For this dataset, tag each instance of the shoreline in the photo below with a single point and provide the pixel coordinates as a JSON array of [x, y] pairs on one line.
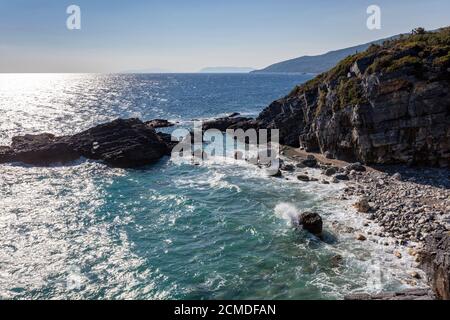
[[399, 206], [406, 204]]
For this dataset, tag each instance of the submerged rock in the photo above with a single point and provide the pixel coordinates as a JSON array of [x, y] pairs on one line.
[[337, 260]]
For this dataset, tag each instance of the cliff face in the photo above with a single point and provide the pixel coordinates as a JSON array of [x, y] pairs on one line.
[[388, 104]]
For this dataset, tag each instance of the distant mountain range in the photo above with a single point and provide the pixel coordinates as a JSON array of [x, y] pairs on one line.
[[317, 64], [227, 70]]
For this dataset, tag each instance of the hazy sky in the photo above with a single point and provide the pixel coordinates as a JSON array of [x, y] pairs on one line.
[[187, 35]]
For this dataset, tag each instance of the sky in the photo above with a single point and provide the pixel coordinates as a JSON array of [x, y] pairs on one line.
[[188, 35]]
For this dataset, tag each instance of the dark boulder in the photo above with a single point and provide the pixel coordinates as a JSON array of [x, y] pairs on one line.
[[342, 177], [310, 163], [311, 222], [358, 167], [435, 261], [121, 143], [287, 167], [330, 171], [303, 177]]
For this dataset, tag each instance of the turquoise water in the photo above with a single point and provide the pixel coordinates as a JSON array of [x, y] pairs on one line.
[[168, 231]]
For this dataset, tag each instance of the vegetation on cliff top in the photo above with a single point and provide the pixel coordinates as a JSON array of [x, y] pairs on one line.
[[415, 54]]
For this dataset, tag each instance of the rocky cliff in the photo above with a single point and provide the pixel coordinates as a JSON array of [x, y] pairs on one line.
[[435, 260], [388, 104]]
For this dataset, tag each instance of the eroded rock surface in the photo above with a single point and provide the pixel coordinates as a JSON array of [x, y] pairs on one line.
[[390, 104], [121, 143]]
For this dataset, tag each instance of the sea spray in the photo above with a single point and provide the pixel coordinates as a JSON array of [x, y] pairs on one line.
[[288, 212]]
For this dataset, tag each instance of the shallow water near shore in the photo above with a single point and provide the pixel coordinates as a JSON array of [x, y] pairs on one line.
[[168, 231]]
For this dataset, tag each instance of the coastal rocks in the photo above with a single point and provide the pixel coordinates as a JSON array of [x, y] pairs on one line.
[[303, 177], [288, 168], [275, 173], [397, 176], [5, 154], [408, 295], [362, 205], [328, 155], [311, 222], [342, 177], [336, 261], [435, 261], [231, 122], [408, 210], [361, 237], [310, 162], [159, 123], [120, 143], [358, 167], [330, 171]]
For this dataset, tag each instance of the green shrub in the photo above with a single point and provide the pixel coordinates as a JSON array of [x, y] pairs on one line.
[[404, 62], [350, 92], [442, 61]]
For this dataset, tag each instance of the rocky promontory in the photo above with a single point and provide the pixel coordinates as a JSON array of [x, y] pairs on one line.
[[123, 143], [388, 104]]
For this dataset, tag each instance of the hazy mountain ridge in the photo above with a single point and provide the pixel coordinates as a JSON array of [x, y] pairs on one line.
[[317, 64]]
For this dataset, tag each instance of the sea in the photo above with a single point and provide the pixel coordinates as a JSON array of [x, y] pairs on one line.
[[171, 230]]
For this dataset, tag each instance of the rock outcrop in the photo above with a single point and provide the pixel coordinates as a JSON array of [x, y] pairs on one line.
[[121, 143], [389, 104], [408, 295], [311, 222], [159, 123], [233, 121], [435, 261]]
